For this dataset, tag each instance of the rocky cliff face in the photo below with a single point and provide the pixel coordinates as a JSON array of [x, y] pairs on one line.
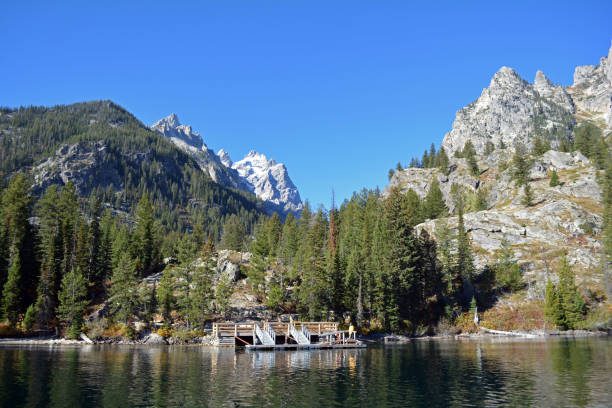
[[592, 92], [171, 127], [255, 174], [512, 111], [191, 142], [567, 217], [268, 180], [79, 163]]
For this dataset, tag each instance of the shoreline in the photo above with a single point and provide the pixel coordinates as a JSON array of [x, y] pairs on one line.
[[382, 338]]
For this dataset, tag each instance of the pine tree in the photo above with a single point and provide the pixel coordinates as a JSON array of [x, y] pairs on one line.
[[432, 156], [442, 161], [554, 179], [527, 199], [201, 295], [521, 165], [11, 294], [165, 296], [464, 261], [312, 266], [259, 264], [105, 255], [479, 201], [72, 301], [274, 229], [146, 237], [81, 252], [234, 234], [404, 262], [434, 205], [473, 306], [30, 318], [123, 289], [451, 277], [540, 146], [95, 261], [52, 250], [289, 246], [47, 290], [19, 238], [223, 293], [68, 215], [432, 285], [469, 153], [425, 159], [552, 309], [570, 300], [507, 271]]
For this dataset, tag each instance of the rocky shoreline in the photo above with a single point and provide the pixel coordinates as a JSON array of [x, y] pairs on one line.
[[380, 338]]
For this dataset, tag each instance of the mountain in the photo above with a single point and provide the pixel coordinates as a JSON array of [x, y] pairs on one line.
[[566, 217], [191, 142], [267, 180], [102, 148], [591, 92], [511, 111]]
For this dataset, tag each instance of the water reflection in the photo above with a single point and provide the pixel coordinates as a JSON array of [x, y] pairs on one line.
[[458, 374]]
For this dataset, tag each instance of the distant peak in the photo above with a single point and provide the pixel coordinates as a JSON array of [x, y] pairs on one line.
[[225, 158], [542, 79], [506, 76], [171, 127], [171, 121], [254, 155], [506, 72]]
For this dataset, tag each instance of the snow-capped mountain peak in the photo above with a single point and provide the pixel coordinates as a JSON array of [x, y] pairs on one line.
[[266, 179], [225, 158], [269, 180], [171, 127]]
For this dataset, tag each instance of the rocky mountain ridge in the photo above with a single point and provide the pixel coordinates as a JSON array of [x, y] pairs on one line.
[[268, 180], [513, 111], [566, 217], [255, 174]]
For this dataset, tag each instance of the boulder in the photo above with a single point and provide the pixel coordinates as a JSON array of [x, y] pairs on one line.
[[154, 338]]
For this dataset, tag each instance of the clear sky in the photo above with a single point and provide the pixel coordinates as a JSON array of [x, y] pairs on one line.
[[339, 91]]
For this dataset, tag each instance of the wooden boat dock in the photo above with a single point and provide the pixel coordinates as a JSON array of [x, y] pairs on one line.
[[284, 335]]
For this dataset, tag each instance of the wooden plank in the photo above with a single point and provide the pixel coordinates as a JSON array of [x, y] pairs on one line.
[[244, 341]]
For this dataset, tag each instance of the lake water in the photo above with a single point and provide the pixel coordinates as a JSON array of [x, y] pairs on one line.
[[488, 373]]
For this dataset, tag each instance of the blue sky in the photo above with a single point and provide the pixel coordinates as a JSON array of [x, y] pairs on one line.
[[340, 91]]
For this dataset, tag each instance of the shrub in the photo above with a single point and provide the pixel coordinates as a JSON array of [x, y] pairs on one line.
[[184, 335], [165, 332], [129, 332], [30, 318], [465, 323], [8, 331], [554, 179], [96, 329]]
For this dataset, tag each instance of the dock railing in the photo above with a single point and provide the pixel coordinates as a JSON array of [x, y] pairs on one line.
[[305, 332]]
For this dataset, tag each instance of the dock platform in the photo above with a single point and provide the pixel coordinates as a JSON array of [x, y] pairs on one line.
[[316, 346], [284, 335]]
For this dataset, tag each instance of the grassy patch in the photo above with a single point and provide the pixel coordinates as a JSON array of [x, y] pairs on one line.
[[528, 315]]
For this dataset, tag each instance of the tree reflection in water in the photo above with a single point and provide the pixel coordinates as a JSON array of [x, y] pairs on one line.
[[422, 373]]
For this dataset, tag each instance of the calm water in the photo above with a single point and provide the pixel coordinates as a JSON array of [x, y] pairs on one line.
[[558, 373]]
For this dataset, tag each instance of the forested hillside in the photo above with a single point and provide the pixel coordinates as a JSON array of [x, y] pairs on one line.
[[109, 154], [512, 215]]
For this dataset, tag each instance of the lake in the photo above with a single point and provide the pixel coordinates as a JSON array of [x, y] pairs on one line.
[[484, 373]]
